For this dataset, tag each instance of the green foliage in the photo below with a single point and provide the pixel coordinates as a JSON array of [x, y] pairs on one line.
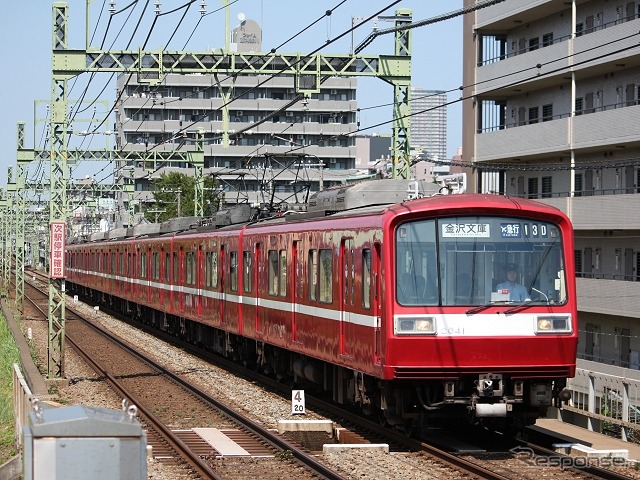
[[8, 356], [174, 196], [284, 455]]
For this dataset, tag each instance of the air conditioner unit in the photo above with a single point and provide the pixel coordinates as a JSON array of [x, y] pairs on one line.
[[332, 160], [239, 113], [289, 114], [334, 92]]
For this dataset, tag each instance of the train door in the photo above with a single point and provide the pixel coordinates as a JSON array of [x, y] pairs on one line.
[[162, 273], [373, 261], [223, 286], [296, 286], [180, 278], [199, 280], [347, 297], [259, 283]]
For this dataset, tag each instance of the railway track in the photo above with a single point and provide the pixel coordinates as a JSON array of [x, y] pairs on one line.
[[470, 466], [140, 379]]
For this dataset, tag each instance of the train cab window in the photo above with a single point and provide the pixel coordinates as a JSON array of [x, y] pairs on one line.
[[366, 278], [313, 275], [190, 268], [465, 260], [273, 272], [246, 271], [326, 275], [211, 269], [233, 271]]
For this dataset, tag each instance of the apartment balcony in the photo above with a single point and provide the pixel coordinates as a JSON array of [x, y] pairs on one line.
[[501, 16], [614, 212], [610, 128], [608, 297], [590, 54], [528, 140]]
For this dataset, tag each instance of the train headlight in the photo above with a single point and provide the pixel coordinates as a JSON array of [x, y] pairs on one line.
[[553, 324], [415, 326]]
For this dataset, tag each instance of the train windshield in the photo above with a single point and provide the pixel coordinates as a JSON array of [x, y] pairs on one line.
[[479, 260]]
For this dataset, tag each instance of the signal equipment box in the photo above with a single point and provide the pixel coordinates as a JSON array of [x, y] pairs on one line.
[[80, 443]]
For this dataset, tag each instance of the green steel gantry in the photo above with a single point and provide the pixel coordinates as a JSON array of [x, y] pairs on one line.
[[152, 66]]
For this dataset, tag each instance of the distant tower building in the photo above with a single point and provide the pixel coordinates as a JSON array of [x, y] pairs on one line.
[[246, 37], [429, 128]]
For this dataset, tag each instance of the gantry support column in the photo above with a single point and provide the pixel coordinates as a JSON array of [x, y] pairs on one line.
[[197, 159], [4, 222], [20, 212], [400, 136], [58, 123]]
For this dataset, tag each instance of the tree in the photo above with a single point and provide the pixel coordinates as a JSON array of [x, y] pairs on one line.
[[174, 196]]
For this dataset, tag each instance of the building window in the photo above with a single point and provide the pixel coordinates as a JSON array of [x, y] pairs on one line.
[[577, 261], [533, 115], [532, 188], [578, 185], [547, 39], [547, 112], [546, 187], [534, 43]]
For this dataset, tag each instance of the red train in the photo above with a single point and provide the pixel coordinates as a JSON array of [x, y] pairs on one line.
[[398, 307]]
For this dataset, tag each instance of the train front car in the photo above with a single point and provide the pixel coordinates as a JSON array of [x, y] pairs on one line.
[[484, 313]]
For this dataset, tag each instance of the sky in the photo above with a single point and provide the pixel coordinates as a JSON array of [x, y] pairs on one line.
[[436, 54]]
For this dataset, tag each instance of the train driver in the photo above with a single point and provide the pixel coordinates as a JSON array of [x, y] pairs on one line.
[[517, 292]]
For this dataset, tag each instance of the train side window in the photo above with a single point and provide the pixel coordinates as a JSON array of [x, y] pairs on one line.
[[326, 275], [313, 275], [211, 269], [167, 267], [366, 278], [113, 262], [273, 272], [283, 273], [233, 271], [176, 266], [155, 265], [246, 271], [143, 265], [121, 267], [190, 280]]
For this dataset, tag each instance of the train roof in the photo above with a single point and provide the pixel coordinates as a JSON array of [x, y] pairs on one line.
[[364, 198]]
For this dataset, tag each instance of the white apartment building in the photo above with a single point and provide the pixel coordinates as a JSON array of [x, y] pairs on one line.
[[260, 145], [286, 155], [553, 113]]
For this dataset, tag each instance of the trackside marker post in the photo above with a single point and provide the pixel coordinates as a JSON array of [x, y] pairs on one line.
[[297, 402]]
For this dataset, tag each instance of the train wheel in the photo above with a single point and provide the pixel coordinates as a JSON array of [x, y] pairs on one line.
[[411, 429]]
